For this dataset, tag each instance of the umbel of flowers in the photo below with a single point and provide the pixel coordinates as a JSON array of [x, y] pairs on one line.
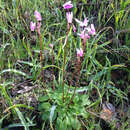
[[86, 30], [37, 26], [39, 19], [69, 15]]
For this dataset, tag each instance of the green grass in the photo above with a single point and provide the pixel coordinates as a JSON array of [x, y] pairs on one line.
[[104, 74]]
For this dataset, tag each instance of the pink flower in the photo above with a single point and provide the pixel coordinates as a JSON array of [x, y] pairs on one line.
[[74, 28], [68, 5], [82, 24], [69, 16], [32, 26], [79, 52], [91, 30], [37, 16], [84, 35]]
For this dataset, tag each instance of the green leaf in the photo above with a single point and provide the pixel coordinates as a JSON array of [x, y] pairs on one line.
[[1, 120], [45, 115], [21, 117], [19, 125], [98, 75], [75, 123], [85, 115], [104, 44], [5, 30], [117, 66], [40, 107], [46, 106], [7, 97], [67, 121], [18, 105], [43, 98], [60, 124], [85, 100], [14, 71]]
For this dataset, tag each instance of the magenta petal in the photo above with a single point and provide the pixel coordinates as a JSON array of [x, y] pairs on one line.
[[37, 16], [74, 28], [84, 35], [68, 5], [79, 52], [93, 31], [87, 36], [69, 16], [32, 26], [82, 24], [85, 23]]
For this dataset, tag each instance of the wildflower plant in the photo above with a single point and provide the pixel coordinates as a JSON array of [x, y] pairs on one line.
[[37, 27], [64, 104], [69, 16]]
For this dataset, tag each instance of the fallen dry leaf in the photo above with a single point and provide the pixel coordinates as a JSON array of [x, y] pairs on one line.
[[108, 112]]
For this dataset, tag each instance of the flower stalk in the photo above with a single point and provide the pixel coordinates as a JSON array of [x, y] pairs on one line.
[[41, 55], [64, 60], [69, 15], [77, 79], [52, 58], [33, 26]]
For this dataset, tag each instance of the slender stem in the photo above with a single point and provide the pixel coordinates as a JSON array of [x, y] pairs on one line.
[[77, 80], [84, 44], [51, 126], [41, 56], [65, 59], [79, 66], [70, 84], [53, 87]]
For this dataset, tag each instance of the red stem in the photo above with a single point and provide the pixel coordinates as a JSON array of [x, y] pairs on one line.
[[41, 56], [70, 84], [65, 60], [84, 44], [77, 80], [53, 87]]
